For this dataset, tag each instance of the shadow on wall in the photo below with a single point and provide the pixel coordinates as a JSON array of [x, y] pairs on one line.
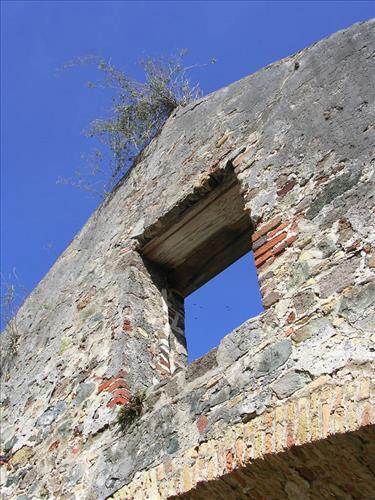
[[221, 305]]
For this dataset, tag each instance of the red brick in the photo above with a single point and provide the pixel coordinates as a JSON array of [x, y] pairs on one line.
[[291, 317], [261, 260], [290, 437], [161, 369], [164, 363], [125, 393], [294, 226], [229, 460], [266, 228], [104, 385], [239, 452], [202, 423], [287, 187], [270, 244], [127, 326], [278, 229], [54, 445], [125, 250], [6, 463], [268, 443], [284, 245], [366, 415], [84, 302], [242, 157], [117, 401], [116, 384]]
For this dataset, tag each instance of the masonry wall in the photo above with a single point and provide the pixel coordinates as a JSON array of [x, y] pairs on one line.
[[299, 136]]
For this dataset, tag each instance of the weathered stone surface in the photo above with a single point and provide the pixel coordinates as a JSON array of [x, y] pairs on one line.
[[339, 278], [234, 346], [273, 357], [22, 456], [319, 327], [335, 188], [304, 302], [51, 414], [296, 139], [289, 383], [200, 366], [83, 392]]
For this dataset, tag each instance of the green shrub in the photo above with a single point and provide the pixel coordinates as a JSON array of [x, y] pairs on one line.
[[12, 296], [130, 412], [138, 113]]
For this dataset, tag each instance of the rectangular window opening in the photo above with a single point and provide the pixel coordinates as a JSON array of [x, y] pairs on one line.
[[221, 305], [205, 255]]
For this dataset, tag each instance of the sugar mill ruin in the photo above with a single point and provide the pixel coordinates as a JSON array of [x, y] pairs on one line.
[[280, 162]]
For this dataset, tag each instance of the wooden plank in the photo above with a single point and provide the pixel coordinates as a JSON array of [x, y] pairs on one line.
[[205, 240]]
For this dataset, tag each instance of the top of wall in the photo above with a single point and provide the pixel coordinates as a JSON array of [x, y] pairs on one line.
[[263, 107]]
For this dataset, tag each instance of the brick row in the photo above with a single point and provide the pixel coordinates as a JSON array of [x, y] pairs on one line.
[[271, 239]]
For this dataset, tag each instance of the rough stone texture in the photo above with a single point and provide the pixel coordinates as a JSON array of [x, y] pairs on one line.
[[311, 471], [281, 389]]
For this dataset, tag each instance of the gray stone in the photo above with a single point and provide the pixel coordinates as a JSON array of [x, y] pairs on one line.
[[239, 342], [339, 278], [254, 405], [335, 188], [200, 366], [65, 428], [327, 246], [83, 392], [316, 328], [51, 414], [304, 302], [173, 445], [219, 395], [8, 445], [358, 301], [271, 299], [273, 357], [76, 474], [289, 383]]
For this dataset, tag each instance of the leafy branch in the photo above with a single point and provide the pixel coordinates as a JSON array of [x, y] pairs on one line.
[[130, 412], [139, 111], [12, 297]]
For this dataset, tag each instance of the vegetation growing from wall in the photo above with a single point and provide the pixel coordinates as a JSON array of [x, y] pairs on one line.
[[129, 413], [12, 296], [139, 111]]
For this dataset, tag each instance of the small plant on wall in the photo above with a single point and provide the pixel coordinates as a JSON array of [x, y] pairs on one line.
[[132, 411], [138, 112], [12, 296]]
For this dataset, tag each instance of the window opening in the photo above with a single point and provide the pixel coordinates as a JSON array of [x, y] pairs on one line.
[[201, 238], [221, 305]]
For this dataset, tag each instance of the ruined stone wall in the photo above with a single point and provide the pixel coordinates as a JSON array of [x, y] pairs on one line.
[[299, 137]]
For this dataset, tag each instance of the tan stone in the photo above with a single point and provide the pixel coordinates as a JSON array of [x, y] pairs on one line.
[[22, 456], [371, 261]]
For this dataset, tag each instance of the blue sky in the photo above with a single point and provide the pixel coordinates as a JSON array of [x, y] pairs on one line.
[[42, 116]]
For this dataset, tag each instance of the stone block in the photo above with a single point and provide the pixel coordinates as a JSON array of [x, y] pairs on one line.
[[289, 383], [339, 278], [201, 366], [273, 357]]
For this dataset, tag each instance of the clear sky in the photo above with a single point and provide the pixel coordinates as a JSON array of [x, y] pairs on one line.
[[42, 116]]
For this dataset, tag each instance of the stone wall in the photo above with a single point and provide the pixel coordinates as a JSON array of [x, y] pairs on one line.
[[104, 323]]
